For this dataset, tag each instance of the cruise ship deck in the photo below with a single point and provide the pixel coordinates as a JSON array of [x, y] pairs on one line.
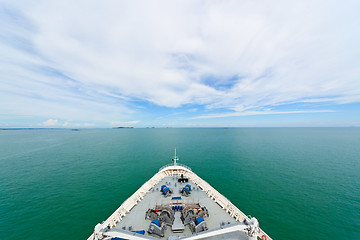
[[177, 204], [135, 220]]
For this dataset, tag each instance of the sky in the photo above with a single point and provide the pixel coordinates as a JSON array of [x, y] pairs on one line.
[[243, 63]]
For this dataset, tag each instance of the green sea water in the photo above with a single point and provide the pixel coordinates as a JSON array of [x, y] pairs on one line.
[[300, 183]]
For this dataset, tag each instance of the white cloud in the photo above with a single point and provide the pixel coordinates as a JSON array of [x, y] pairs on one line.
[[50, 122], [56, 123], [252, 113], [118, 53]]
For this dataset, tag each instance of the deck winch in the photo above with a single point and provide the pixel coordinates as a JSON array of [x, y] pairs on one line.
[[156, 228], [186, 190], [166, 217], [165, 190], [198, 225]]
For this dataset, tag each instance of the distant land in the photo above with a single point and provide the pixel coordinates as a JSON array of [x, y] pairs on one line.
[[78, 129]]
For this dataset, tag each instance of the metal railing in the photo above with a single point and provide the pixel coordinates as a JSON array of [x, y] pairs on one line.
[[172, 165]]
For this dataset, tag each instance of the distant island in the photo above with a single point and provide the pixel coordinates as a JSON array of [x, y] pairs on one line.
[[122, 127]]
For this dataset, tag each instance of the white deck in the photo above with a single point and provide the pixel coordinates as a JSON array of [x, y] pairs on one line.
[[136, 217], [224, 217]]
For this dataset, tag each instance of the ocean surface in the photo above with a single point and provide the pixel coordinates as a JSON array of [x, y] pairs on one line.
[[300, 183]]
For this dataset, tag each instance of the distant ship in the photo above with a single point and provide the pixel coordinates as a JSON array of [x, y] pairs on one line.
[[177, 204]]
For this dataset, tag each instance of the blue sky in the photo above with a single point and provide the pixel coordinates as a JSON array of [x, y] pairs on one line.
[[179, 63]]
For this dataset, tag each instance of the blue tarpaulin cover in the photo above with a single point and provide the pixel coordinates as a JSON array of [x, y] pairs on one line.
[[199, 220], [139, 232], [166, 189], [186, 189], [155, 221]]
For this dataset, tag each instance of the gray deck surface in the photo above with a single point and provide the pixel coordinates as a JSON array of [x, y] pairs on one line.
[[135, 219]]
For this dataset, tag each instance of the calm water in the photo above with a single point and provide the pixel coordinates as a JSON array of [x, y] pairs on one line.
[[301, 183]]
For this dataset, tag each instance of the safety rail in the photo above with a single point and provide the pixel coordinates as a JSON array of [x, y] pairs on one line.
[[172, 165]]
